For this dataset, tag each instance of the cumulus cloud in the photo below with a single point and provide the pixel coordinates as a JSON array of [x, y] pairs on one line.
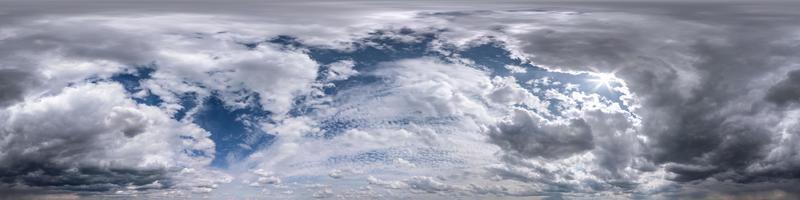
[[702, 99], [528, 134], [786, 91], [92, 138]]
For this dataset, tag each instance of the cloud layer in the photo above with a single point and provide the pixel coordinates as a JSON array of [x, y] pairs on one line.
[[419, 100]]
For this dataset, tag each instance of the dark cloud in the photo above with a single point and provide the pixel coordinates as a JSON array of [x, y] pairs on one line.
[[9, 193], [13, 85], [787, 91], [91, 138], [698, 108], [783, 189], [62, 145], [698, 71], [35, 42], [583, 49], [526, 134], [82, 179], [715, 124]]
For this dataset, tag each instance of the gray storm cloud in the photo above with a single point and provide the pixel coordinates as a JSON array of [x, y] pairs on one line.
[[527, 135]]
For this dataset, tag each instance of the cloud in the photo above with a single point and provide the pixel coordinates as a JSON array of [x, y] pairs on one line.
[[340, 70], [418, 90], [426, 185], [528, 134], [786, 91], [13, 85], [92, 137], [702, 100]]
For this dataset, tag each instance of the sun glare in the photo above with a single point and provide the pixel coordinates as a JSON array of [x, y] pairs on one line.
[[603, 80]]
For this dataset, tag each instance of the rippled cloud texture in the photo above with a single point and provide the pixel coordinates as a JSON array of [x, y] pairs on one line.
[[390, 100]]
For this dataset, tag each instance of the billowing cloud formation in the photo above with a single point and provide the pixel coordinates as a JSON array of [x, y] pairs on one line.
[[530, 135], [786, 91], [92, 137], [14, 83], [423, 100]]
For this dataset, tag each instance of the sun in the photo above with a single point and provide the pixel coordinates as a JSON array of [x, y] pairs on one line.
[[603, 80]]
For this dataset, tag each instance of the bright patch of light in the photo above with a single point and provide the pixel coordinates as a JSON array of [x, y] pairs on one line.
[[604, 80]]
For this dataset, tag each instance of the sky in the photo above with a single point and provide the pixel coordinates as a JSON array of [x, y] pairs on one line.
[[399, 100]]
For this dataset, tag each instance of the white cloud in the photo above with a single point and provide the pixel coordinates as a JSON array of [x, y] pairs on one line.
[[340, 70], [96, 126], [516, 69]]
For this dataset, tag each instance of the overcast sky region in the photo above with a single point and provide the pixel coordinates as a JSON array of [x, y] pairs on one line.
[[458, 99]]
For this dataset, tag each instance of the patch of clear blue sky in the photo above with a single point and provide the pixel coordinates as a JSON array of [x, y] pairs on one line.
[[234, 139], [493, 56], [132, 83]]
